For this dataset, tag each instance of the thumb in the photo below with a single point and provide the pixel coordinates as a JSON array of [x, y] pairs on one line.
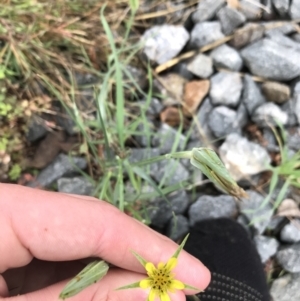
[[3, 288]]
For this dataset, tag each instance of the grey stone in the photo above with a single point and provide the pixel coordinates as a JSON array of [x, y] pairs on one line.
[[227, 57], [296, 103], [297, 88], [230, 19], [250, 10], [206, 10], [269, 13], [226, 89], [285, 41], [140, 154], [285, 28], [282, 6], [293, 139], [182, 69], [290, 109], [296, 37], [166, 137], [207, 207], [252, 96], [171, 172], [291, 232], [266, 247], [259, 216], [37, 129], [295, 10], [205, 33], [249, 33], [243, 221], [269, 114], [242, 157], [201, 65], [276, 92], [275, 223], [160, 211], [202, 118], [270, 140], [177, 227], [241, 117], [162, 43], [270, 60], [144, 137], [61, 166], [76, 185], [221, 121], [135, 76], [286, 288], [289, 258]]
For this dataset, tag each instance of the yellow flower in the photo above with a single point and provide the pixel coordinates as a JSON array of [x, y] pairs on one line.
[[160, 280]]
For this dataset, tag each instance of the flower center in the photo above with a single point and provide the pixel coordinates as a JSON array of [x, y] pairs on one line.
[[161, 280]]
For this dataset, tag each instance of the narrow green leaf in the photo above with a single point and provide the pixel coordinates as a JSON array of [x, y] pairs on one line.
[[139, 258], [177, 252]]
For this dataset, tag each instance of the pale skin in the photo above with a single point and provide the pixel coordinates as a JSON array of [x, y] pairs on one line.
[[46, 235]]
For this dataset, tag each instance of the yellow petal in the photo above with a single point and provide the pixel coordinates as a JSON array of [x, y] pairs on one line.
[[164, 297], [152, 295], [177, 285], [160, 265], [171, 264], [145, 283], [150, 268]]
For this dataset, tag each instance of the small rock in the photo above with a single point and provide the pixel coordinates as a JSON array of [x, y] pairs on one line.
[[207, 207], [139, 75], [241, 117], [295, 10], [275, 223], [286, 288], [194, 93], [269, 114], [252, 96], [289, 258], [202, 118], [270, 141], [285, 28], [182, 70], [152, 108], [290, 233], [160, 211], [243, 221], [276, 92], [205, 33], [266, 247], [283, 40], [259, 216], [251, 10], [269, 13], [243, 158], [140, 154], [268, 59], [296, 102], [293, 139], [201, 65], [37, 129], [221, 121], [177, 227], [75, 185], [226, 89], [171, 172], [297, 88], [230, 19], [166, 137], [62, 165], [227, 57], [282, 6], [250, 33], [174, 83], [162, 43], [290, 109], [296, 37], [206, 10]]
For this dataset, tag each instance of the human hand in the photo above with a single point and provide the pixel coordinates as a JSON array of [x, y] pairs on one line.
[[44, 234]]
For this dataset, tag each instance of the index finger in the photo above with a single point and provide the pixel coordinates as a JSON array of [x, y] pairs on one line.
[[57, 227]]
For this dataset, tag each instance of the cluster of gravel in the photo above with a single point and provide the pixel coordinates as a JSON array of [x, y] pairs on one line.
[[254, 79]]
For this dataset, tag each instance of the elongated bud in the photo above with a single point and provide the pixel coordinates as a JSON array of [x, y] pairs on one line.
[[210, 164]]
